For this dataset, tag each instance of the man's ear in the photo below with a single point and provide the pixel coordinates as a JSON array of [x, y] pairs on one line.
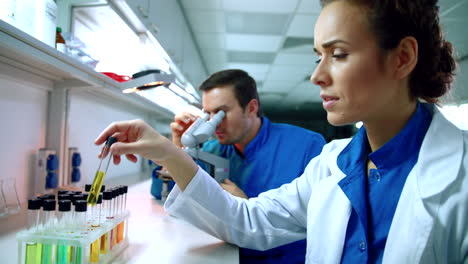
[[406, 55], [253, 107]]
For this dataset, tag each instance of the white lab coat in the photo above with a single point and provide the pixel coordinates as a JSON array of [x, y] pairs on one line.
[[430, 224]]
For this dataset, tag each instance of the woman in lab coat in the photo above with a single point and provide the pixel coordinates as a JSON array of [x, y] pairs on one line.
[[397, 192]]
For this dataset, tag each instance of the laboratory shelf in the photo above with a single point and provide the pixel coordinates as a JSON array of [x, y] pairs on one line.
[[23, 51]]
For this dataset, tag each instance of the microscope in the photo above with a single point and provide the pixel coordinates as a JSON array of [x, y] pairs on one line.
[[199, 132]]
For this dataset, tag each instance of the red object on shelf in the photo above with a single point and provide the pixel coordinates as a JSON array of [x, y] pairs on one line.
[[117, 77]]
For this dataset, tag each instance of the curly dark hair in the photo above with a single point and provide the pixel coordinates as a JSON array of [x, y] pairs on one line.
[[393, 20], [244, 86]]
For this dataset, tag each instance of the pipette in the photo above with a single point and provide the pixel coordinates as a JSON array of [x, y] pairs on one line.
[[100, 173]]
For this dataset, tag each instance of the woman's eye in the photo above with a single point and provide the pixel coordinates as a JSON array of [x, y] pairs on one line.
[[318, 60], [340, 55]]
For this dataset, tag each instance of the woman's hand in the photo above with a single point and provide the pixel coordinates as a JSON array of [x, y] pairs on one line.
[[135, 137]]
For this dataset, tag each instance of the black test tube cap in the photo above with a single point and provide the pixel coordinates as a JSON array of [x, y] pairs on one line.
[[64, 197], [77, 197], [99, 200], [48, 205], [64, 205], [107, 195], [34, 204], [80, 206]]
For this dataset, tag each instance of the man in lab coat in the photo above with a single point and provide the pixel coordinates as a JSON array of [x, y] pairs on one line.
[[262, 155]]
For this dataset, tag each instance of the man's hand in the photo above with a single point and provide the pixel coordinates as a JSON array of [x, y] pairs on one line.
[[232, 188], [164, 175], [181, 123]]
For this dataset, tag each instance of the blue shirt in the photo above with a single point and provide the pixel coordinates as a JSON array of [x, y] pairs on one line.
[[374, 199], [277, 155]]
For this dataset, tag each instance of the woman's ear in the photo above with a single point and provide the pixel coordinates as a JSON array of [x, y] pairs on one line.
[[406, 55]]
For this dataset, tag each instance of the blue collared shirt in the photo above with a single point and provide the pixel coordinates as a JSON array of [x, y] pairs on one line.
[[277, 155], [374, 198]]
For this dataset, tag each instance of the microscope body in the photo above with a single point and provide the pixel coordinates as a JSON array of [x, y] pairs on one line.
[[198, 133]]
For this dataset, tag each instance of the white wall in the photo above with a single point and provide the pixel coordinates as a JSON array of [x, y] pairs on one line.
[[88, 115], [23, 117], [23, 111]]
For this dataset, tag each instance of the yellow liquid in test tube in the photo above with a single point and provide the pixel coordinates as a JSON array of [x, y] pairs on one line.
[[96, 188], [100, 174], [94, 254], [120, 231], [104, 243]]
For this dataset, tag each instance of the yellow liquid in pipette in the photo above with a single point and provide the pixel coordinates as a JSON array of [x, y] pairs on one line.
[[96, 188]]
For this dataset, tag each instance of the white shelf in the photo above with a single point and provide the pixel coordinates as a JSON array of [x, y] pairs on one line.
[[23, 51]]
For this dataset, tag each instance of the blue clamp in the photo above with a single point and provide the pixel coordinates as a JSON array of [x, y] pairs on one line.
[[52, 162], [76, 159], [51, 180], [75, 175]]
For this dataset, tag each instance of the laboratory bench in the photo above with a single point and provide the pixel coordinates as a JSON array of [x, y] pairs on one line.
[[156, 237], [153, 235]]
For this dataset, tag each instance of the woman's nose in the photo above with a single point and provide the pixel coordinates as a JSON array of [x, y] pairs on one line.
[[320, 76]]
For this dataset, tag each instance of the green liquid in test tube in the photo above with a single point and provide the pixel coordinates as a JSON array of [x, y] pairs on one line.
[[47, 254], [62, 256], [100, 173], [49, 222], [64, 222], [78, 252], [33, 250], [33, 253]]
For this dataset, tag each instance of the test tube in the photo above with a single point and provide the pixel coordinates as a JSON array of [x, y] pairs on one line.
[[107, 204], [115, 198], [125, 197], [101, 172], [80, 215], [112, 216], [119, 213], [96, 216], [95, 248], [79, 218], [121, 226], [33, 250], [106, 210], [121, 198], [64, 215], [113, 232], [34, 210], [48, 223], [49, 219]]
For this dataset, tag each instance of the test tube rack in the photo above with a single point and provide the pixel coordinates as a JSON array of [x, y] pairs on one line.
[[92, 245]]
